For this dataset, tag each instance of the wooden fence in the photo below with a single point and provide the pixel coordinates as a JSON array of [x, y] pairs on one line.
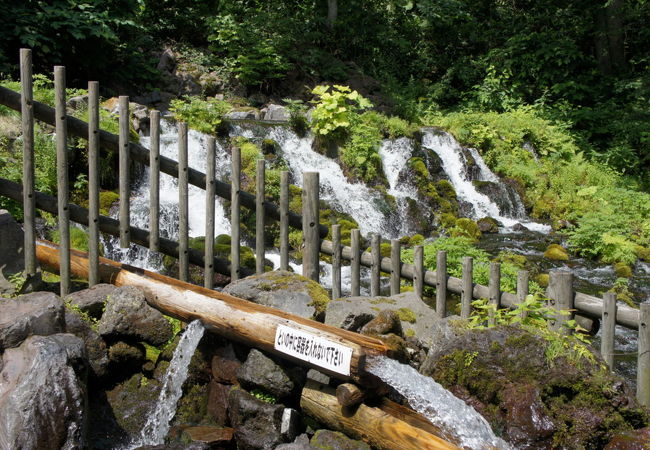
[[560, 290]]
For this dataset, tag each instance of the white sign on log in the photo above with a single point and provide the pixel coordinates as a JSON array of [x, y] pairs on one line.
[[313, 348]]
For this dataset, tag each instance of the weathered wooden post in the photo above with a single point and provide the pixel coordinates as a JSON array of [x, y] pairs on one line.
[[310, 223], [643, 365], [124, 166], [395, 266], [208, 275], [441, 284], [284, 220], [336, 261], [494, 291], [29, 202], [259, 216], [522, 289], [560, 291], [355, 263], [235, 194], [418, 274], [375, 276], [608, 329], [467, 287], [93, 183], [154, 181], [183, 223], [63, 193]]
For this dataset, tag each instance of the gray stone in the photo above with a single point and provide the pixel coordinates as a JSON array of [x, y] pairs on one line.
[[39, 313], [12, 259], [124, 356], [92, 300], [78, 102], [257, 424], [320, 377], [42, 402], [277, 113], [241, 114], [290, 423], [95, 345], [128, 315], [284, 290], [261, 372], [167, 61], [335, 440], [300, 443]]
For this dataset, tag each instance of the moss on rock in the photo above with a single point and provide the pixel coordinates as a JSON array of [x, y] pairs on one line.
[[556, 252]]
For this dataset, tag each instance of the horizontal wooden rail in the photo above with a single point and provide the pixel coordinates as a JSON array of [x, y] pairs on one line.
[[110, 142]]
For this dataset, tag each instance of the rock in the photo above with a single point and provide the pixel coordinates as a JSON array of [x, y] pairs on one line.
[[622, 270], [42, 393], [218, 402], [243, 114], [128, 315], [127, 357], [261, 372], [94, 344], [225, 365], [140, 118], [300, 443], [92, 300], [630, 440], [505, 374], [387, 321], [257, 424], [519, 228], [12, 259], [556, 252], [167, 61], [290, 423], [313, 374], [335, 440], [284, 290], [207, 435], [40, 313], [78, 102], [488, 225], [277, 113]]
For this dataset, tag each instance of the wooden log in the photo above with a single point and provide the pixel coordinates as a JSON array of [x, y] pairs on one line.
[[284, 220], [349, 394], [208, 271], [418, 272], [609, 329], [355, 262], [27, 113], [310, 220], [375, 275], [467, 287], [560, 291], [396, 262], [63, 192], [183, 206], [522, 289], [234, 318], [387, 428], [259, 216], [93, 183], [643, 362], [336, 262], [110, 142], [235, 232], [441, 284], [124, 174], [154, 181]]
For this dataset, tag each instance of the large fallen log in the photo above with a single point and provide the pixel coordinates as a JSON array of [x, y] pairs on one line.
[[386, 426], [339, 353]]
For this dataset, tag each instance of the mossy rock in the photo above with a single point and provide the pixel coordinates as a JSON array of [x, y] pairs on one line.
[[106, 200], [412, 241], [516, 260], [643, 253], [447, 220], [542, 279], [270, 147], [556, 252], [78, 239], [466, 228], [622, 270], [488, 225]]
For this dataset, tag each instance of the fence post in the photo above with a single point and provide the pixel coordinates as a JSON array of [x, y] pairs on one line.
[[310, 224], [467, 287], [62, 177], [284, 220], [93, 183], [125, 163], [560, 291], [395, 266], [522, 289], [336, 261], [643, 367], [29, 200], [608, 329], [494, 289], [441, 284], [183, 229], [259, 216], [154, 181], [355, 263], [208, 275], [418, 273], [235, 178], [376, 264]]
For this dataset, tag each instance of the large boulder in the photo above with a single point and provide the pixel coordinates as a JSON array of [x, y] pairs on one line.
[[11, 251], [533, 398], [42, 393], [128, 316], [96, 350], [276, 113], [92, 300], [630, 440], [261, 372], [40, 313], [284, 290], [335, 440]]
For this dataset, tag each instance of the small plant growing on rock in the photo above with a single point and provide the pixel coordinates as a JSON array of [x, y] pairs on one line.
[[335, 109]]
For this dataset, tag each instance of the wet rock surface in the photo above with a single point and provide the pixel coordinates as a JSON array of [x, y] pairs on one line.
[[261, 372], [257, 425], [96, 349], [92, 300], [630, 440], [38, 313]]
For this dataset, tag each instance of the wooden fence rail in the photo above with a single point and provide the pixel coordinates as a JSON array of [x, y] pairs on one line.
[[560, 290]]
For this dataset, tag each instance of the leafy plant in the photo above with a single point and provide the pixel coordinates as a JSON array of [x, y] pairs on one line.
[[202, 115], [336, 108], [264, 396], [297, 120]]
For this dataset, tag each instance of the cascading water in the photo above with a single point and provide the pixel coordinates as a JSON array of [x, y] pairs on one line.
[[157, 425], [437, 404]]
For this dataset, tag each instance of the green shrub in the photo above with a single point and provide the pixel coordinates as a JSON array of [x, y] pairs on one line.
[[202, 115], [335, 109]]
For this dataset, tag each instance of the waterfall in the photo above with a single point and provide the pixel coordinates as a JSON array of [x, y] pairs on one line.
[[437, 404], [157, 425]]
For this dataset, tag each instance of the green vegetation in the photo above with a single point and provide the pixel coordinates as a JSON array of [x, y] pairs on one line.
[[205, 116]]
